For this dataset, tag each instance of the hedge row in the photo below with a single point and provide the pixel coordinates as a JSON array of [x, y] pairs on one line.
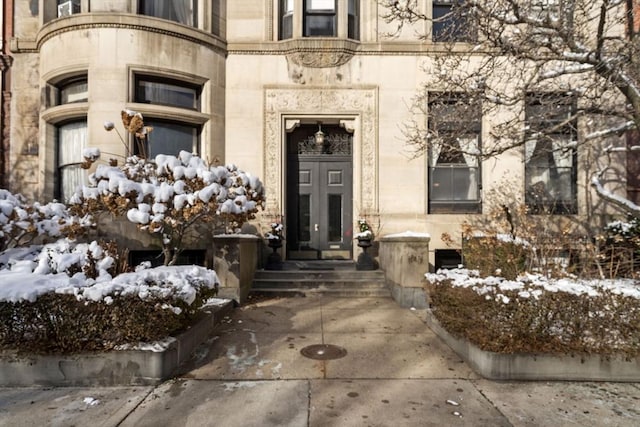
[[59, 323], [552, 323]]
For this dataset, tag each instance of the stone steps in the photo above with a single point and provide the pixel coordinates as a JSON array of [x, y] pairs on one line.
[[339, 282]]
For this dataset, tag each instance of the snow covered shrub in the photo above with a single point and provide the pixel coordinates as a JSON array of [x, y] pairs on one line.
[[170, 195], [75, 259], [51, 314], [22, 222], [536, 314]]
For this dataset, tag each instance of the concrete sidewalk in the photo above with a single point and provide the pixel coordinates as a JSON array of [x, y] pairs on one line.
[[396, 372]]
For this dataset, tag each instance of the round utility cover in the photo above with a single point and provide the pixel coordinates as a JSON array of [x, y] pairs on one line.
[[323, 352]]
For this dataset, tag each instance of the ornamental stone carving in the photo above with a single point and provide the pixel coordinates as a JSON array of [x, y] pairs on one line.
[[320, 59], [284, 105], [320, 53]]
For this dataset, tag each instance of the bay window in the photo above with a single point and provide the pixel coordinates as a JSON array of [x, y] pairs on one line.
[[71, 142], [550, 155], [454, 170], [319, 18]]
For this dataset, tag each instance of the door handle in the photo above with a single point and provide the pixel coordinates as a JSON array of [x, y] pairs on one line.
[[315, 227]]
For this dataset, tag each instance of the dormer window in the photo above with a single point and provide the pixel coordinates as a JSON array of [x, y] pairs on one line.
[[319, 18]]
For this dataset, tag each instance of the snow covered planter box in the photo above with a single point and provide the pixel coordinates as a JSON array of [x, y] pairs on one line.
[[538, 328], [50, 322], [141, 364]]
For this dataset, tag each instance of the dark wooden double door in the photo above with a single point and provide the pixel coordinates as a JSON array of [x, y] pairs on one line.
[[319, 194]]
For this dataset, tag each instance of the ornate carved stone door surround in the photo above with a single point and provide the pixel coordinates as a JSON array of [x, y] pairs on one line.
[[359, 109]]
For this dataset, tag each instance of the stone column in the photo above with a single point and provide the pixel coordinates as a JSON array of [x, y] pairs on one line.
[[235, 260]]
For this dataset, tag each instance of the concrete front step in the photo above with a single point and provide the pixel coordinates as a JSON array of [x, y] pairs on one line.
[[345, 292], [347, 283]]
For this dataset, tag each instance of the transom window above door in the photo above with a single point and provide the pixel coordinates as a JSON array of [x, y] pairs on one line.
[[319, 18]]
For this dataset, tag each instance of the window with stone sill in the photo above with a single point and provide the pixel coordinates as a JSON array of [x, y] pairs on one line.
[[454, 168], [71, 142], [319, 18], [181, 11], [550, 154]]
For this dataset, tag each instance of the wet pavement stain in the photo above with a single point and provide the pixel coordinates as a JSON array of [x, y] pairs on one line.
[[177, 387]]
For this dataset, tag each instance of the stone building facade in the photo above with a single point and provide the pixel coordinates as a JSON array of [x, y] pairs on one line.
[[308, 94]]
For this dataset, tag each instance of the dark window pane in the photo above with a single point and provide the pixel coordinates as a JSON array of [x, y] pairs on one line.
[[450, 25], [304, 218], [156, 90], [170, 138], [320, 18], [453, 183], [447, 258], [335, 217], [286, 19], [319, 25], [354, 20], [182, 11], [286, 27]]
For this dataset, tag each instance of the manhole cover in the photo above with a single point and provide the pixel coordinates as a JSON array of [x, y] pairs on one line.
[[323, 352]]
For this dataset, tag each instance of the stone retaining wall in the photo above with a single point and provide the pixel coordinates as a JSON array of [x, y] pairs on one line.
[[110, 368], [538, 367]]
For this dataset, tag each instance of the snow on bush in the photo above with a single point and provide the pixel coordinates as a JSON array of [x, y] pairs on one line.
[[170, 194], [531, 285], [537, 314], [27, 273], [22, 222]]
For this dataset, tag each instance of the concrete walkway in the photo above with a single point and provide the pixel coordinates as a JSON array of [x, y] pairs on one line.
[[396, 372]]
